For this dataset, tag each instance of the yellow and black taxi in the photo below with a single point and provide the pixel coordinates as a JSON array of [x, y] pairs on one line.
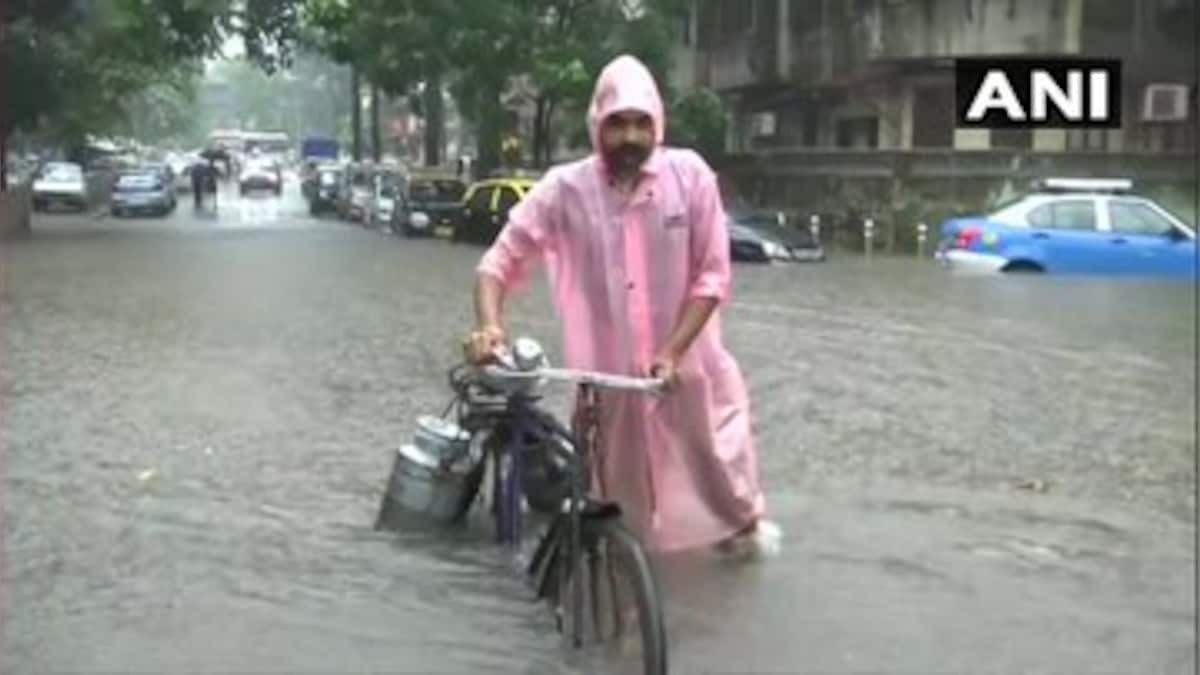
[[485, 207]]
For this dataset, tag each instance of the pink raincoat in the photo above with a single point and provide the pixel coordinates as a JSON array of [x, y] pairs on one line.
[[682, 467]]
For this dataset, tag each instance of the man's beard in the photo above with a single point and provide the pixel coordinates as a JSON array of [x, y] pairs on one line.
[[626, 159]]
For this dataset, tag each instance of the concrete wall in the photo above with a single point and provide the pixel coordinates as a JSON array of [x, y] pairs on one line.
[[899, 189]]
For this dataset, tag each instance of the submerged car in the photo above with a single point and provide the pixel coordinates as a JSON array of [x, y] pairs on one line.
[[1074, 226], [432, 204], [60, 183], [137, 192], [766, 237]]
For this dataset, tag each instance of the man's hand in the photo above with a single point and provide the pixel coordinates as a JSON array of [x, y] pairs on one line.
[[665, 367], [481, 346]]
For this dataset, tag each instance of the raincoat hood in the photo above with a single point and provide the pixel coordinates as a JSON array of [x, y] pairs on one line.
[[625, 84]]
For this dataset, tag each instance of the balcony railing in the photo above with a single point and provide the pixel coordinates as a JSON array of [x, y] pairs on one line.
[[966, 164]]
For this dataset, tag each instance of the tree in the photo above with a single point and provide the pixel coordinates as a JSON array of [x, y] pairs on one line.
[[576, 40], [70, 67], [698, 121]]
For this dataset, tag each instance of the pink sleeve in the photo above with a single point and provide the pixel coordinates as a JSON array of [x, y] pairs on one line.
[[521, 244], [710, 272]]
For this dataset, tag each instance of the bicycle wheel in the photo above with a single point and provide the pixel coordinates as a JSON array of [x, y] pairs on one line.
[[622, 615]]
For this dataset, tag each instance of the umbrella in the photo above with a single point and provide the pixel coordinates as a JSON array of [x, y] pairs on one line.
[[213, 154]]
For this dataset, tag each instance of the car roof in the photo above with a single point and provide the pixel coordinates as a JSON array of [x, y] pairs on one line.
[[522, 183]]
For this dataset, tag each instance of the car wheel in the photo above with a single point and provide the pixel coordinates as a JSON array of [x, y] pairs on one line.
[[1022, 267]]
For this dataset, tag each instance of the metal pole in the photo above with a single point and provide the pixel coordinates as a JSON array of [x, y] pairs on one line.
[[868, 234], [814, 228], [922, 231]]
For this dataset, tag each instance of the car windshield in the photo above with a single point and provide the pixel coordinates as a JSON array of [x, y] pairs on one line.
[[437, 190], [140, 182], [63, 172]]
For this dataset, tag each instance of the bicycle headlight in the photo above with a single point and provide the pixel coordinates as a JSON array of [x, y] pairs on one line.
[[529, 355]]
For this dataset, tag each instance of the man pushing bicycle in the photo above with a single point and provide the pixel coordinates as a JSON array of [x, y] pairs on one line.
[[635, 242]]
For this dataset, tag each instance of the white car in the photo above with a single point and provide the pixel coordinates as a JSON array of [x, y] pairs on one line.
[[60, 183], [260, 174]]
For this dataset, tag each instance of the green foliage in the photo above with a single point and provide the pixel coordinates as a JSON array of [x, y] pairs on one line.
[[73, 68], [697, 120], [477, 47]]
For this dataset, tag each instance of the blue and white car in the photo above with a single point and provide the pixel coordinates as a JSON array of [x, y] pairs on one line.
[[1074, 226]]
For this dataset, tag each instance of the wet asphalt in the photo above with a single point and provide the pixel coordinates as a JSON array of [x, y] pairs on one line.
[[973, 474]]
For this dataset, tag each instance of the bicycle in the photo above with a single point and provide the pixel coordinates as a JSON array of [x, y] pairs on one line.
[[584, 554]]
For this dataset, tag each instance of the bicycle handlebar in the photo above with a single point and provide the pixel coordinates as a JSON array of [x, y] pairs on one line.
[[646, 385]]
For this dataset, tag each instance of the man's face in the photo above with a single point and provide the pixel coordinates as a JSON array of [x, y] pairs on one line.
[[626, 139]]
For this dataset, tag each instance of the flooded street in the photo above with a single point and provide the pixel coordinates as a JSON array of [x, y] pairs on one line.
[[199, 414]]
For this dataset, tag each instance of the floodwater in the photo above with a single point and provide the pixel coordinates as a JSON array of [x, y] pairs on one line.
[[992, 475]]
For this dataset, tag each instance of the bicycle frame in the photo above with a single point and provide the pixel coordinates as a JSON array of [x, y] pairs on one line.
[[521, 421]]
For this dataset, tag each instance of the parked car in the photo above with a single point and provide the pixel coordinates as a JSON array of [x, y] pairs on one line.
[[260, 173], [486, 206], [386, 193], [60, 183], [322, 189], [164, 170], [760, 236], [354, 192], [432, 204], [143, 191], [1074, 226]]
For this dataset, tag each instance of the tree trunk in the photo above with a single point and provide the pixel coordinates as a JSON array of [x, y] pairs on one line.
[[491, 121], [3, 160], [539, 126], [435, 120], [376, 147], [355, 115], [548, 134]]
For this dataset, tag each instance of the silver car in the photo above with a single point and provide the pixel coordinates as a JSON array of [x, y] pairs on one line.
[[141, 192], [60, 183]]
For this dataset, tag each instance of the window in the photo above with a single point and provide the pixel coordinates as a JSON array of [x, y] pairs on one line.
[[1136, 218], [1087, 139], [933, 117], [1069, 214], [508, 199], [1016, 139], [810, 128], [481, 201], [861, 132]]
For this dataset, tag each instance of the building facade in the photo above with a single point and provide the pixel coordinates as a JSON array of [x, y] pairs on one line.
[[878, 74], [848, 106]]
